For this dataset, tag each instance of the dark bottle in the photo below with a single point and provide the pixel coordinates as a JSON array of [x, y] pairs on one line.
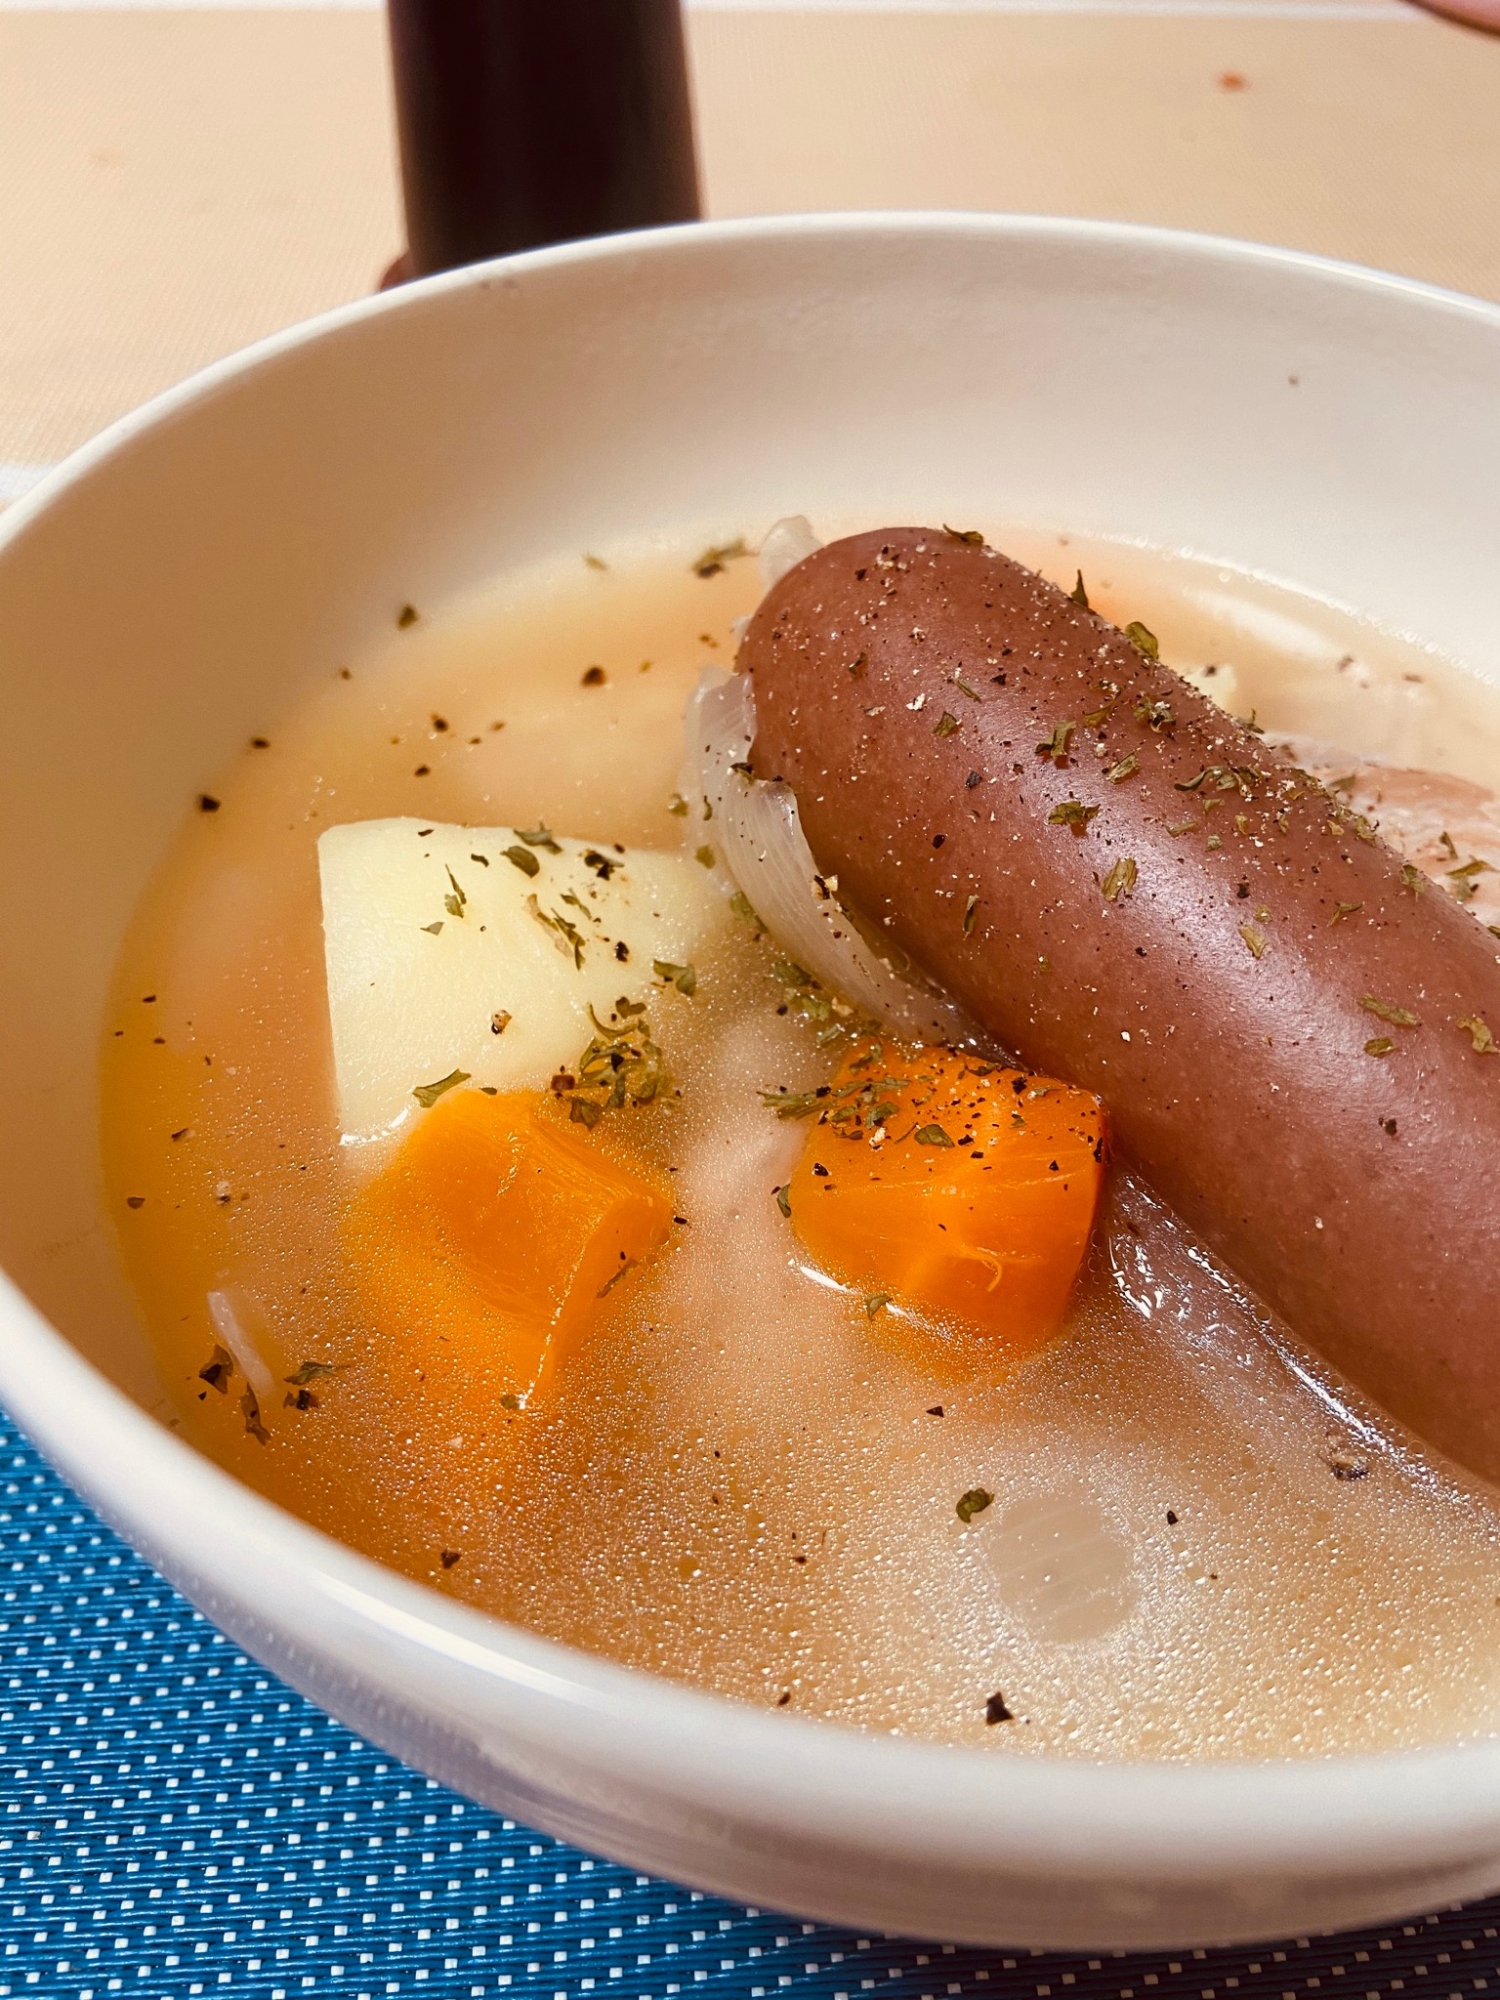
[[525, 122]]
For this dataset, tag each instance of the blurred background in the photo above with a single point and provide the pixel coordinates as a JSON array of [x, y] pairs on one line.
[[177, 181]]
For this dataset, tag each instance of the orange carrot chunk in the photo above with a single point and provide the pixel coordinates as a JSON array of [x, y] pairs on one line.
[[961, 1190], [489, 1241]]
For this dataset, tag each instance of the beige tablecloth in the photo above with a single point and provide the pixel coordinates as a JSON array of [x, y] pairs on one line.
[[176, 183]]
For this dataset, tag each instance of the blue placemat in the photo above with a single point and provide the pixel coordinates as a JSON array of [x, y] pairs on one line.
[[177, 1822]]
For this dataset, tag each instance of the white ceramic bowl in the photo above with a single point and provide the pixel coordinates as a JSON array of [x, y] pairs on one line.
[[176, 584]]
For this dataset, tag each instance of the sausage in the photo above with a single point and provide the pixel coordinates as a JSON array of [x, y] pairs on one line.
[[1290, 1028]]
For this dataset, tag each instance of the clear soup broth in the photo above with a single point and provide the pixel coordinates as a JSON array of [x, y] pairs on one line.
[[1195, 1544]]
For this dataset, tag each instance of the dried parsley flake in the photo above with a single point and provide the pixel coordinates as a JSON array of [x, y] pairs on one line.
[[1074, 814], [1121, 879], [973, 1502], [1155, 714], [1465, 888], [794, 1103], [713, 560], [1387, 1010], [828, 1012], [566, 935], [218, 1370], [1480, 1033], [683, 977], [1055, 746], [538, 836], [621, 1066], [427, 1094]]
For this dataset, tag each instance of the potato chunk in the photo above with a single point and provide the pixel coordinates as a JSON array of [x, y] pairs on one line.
[[481, 949]]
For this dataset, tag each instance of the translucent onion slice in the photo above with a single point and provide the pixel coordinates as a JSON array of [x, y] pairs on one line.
[[786, 543], [758, 834]]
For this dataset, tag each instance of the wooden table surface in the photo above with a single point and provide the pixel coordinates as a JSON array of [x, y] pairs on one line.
[[177, 182]]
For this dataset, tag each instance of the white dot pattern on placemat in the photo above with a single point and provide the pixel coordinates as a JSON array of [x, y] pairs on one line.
[[174, 1821]]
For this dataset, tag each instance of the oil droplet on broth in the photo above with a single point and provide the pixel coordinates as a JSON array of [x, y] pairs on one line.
[[736, 1479]]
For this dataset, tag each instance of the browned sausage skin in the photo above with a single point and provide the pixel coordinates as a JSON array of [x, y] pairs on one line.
[[1289, 1027]]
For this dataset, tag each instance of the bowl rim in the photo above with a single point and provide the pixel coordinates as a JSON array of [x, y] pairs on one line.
[[1031, 1815], [1080, 231]]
